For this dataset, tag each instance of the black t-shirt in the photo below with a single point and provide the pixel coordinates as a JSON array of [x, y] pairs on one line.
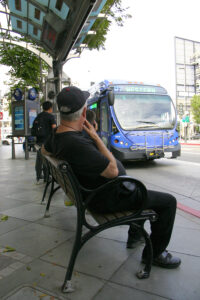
[[85, 159], [48, 121], [88, 163]]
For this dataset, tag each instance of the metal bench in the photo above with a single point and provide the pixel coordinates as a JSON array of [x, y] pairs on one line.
[[62, 174]]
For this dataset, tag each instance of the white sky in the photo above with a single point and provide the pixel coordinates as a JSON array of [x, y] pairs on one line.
[[143, 49]]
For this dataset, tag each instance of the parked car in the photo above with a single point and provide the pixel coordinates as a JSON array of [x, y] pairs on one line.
[[8, 140], [196, 136]]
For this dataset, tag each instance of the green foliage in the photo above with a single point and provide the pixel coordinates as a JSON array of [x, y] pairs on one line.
[[195, 108], [114, 12], [97, 41], [25, 66]]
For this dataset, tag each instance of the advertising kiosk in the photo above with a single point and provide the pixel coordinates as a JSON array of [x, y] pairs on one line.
[[25, 107]]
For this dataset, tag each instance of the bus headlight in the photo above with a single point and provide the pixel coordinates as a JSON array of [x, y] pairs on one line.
[[121, 142]]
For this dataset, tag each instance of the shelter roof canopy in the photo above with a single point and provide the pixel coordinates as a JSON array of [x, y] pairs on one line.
[[58, 26]]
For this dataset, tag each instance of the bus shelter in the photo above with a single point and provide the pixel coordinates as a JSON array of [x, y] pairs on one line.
[[54, 30], [57, 26]]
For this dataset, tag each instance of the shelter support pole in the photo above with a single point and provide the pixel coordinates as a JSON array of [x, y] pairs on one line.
[[57, 70]]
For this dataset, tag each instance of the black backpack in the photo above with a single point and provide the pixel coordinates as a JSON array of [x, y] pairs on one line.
[[39, 127]]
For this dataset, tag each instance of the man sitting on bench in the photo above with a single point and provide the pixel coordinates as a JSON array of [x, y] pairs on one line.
[[94, 164]]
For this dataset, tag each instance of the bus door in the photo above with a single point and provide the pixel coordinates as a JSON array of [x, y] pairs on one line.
[[104, 122]]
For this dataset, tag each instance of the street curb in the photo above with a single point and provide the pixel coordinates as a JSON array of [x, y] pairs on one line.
[[190, 144], [189, 210]]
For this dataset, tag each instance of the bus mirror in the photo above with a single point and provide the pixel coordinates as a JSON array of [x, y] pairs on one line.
[[111, 98]]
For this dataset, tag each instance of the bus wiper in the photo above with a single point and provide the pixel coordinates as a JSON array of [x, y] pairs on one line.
[[146, 122]]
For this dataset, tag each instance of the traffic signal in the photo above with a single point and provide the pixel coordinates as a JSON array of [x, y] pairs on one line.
[[180, 109]]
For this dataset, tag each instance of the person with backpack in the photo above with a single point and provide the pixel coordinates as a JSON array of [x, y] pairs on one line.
[[41, 129]]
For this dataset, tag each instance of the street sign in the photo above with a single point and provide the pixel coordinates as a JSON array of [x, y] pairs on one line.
[[18, 94], [32, 94], [187, 119]]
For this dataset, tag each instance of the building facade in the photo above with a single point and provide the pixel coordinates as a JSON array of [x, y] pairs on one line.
[[187, 73]]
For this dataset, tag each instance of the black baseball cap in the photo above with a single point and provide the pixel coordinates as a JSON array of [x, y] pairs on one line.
[[71, 99]]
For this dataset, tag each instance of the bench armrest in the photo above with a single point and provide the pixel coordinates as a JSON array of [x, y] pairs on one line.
[[120, 179]]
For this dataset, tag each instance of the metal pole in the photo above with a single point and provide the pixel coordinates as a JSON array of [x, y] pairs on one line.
[[26, 127], [185, 133], [57, 70], [13, 148], [26, 148]]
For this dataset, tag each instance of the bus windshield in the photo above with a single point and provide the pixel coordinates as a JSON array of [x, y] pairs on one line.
[[139, 111]]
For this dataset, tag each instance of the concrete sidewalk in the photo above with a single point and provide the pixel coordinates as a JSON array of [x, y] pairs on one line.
[[104, 269]]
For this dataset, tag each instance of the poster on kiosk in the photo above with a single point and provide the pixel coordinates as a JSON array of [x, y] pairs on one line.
[[25, 107]]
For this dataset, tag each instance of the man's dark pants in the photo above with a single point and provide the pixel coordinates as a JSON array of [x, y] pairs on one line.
[[162, 203], [165, 206], [39, 166]]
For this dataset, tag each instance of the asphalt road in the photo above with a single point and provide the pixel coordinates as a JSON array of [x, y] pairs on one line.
[[190, 153], [179, 176]]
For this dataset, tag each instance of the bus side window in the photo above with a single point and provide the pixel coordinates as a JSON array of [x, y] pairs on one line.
[[97, 111], [104, 116], [114, 128]]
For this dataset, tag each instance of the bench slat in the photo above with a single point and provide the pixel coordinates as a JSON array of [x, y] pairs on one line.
[[104, 218]]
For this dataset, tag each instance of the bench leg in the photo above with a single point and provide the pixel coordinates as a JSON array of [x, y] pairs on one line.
[[67, 287], [45, 191], [46, 214], [145, 273]]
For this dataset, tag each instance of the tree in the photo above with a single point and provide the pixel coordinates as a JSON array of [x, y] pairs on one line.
[[26, 67], [114, 12], [195, 108]]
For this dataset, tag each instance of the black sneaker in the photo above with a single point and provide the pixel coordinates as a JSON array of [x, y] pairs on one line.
[[165, 260]]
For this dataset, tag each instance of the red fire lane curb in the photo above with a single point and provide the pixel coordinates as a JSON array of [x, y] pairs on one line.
[[190, 144], [189, 210]]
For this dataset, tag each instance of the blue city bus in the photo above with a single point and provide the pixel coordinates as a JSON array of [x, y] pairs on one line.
[[136, 121]]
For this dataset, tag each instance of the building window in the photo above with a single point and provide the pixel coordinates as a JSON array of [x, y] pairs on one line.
[[37, 14], [18, 5], [35, 31], [19, 24], [59, 4]]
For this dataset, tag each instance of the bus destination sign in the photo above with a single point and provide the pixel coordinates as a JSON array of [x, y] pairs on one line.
[[143, 89]]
